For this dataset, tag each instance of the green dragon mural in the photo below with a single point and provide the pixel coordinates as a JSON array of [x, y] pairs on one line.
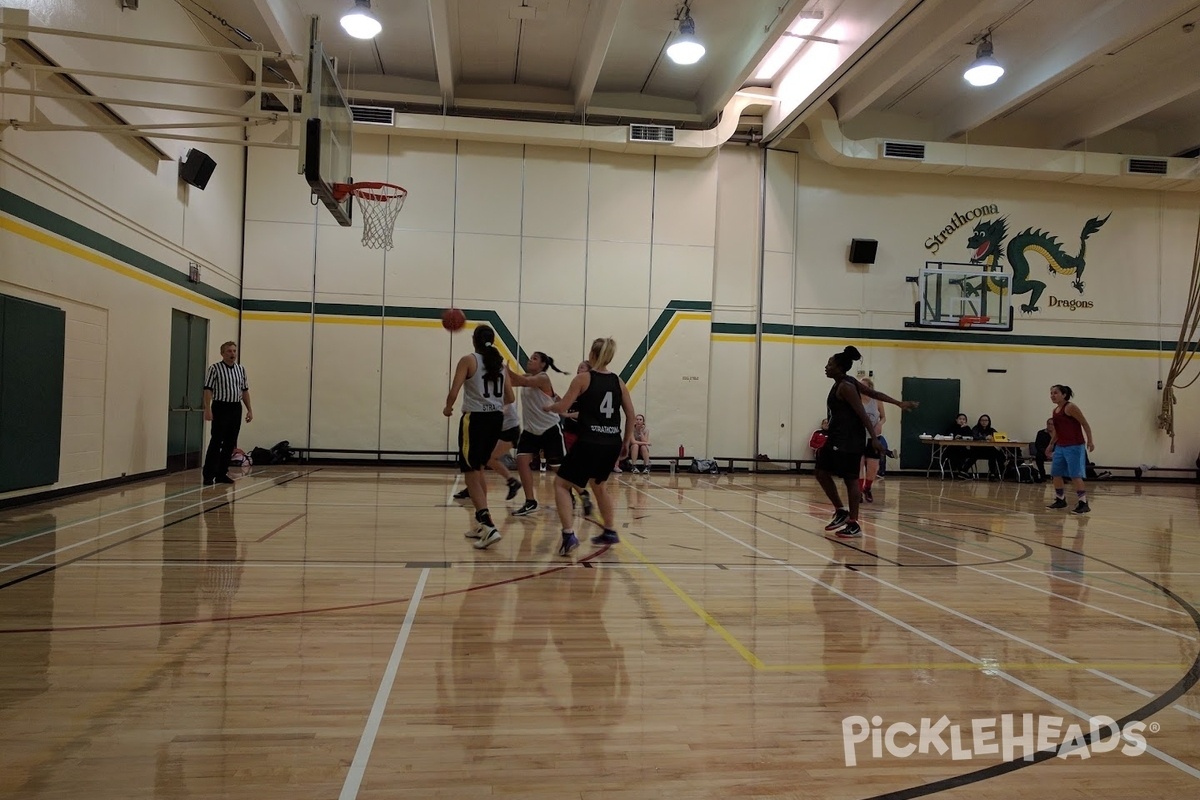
[[987, 246]]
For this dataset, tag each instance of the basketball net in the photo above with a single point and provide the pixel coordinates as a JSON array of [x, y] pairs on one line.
[[379, 204]]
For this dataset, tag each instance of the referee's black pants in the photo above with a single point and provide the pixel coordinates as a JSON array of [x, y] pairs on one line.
[[226, 423]]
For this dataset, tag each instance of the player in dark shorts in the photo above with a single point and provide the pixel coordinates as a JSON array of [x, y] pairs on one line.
[[601, 398], [850, 430], [541, 429], [480, 377]]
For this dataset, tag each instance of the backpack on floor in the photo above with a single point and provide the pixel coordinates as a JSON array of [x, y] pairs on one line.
[[261, 457], [704, 465]]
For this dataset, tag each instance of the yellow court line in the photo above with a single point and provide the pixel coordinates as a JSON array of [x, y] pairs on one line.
[[709, 620], [661, 340], [756, 662], [62, 245]]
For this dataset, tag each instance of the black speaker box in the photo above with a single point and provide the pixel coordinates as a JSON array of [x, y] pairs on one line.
[[196, 168], [862, 251]]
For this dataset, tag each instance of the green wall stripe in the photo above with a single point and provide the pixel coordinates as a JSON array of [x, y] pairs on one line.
[[44, 218], [936, 335]]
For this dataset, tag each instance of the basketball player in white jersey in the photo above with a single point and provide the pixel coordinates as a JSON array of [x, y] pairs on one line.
[[540, 428], [480, 377]]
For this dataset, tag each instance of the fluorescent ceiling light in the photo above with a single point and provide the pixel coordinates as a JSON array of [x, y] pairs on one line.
[[360, 22], [686, 49], [779, 55], [986, 70]]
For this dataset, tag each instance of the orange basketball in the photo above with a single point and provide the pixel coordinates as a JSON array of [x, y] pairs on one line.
[[453, 319]]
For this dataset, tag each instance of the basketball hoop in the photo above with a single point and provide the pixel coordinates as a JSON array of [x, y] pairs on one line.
[[968, 321], [379, 203]]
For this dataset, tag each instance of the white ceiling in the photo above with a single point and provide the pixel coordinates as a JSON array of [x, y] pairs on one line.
[[1112, 75]]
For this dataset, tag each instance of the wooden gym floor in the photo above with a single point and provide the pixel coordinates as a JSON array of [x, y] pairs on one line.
[[328, 632]]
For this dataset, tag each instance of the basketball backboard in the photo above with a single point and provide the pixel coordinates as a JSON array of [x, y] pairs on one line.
[[326, 146], [951, 295]]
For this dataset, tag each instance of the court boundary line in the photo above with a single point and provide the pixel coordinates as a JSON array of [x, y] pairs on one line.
[[362, 755]]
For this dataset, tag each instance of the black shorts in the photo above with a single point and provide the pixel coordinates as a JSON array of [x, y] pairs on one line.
[[589, 461], [478, 432], [510, 435], [550, 442], [844, 464]]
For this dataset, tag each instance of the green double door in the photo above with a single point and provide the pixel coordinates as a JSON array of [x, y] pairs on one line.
[[939, 399], [185, 422]]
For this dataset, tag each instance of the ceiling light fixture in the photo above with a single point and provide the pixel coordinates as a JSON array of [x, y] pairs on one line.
[[789, 43], [686, 49], [986, 70], [360, 22]]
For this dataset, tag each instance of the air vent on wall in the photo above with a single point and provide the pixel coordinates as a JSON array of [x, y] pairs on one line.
[[1146, 166], [651, 133], [914, 151], [374, 115]]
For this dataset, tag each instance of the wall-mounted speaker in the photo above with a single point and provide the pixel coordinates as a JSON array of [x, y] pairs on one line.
[[196, 168], [862, 251]]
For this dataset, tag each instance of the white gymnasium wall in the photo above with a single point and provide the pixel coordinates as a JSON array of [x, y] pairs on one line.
[[552, 246], [86, 222], [1137, 267], [732, 393]]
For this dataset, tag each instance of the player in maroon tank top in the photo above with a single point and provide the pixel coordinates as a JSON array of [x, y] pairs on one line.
[[1070, 442]]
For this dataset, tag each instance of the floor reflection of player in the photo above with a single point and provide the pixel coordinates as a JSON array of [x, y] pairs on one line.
[[1066, 571], [849, 632], [596, 663], [470, 701], [222, 561]]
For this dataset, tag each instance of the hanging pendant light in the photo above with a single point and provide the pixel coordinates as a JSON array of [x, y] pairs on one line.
[[985, 70], [360, 23], [686, 49]]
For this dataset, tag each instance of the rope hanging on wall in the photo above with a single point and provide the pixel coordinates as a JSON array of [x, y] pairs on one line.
[[1185, 348]]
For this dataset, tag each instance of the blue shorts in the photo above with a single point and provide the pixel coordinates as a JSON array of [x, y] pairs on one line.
[[1070, 461]]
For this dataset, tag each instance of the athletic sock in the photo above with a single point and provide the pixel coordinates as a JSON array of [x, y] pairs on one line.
[[1060, 494], [483, 516], [867, 485], [1081, 496]]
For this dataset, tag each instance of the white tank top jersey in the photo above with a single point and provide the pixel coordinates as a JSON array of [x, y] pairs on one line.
[[481, 395], [511, 418], [537, 419], [871, 406]]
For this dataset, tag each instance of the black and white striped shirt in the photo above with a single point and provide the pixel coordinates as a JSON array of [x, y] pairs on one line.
[[225, 382]]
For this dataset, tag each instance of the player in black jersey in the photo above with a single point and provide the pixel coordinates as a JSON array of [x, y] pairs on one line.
[[600, 398], [850, 433]]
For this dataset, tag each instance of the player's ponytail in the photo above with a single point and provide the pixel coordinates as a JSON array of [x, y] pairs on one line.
[[484, 338], [549, 362]]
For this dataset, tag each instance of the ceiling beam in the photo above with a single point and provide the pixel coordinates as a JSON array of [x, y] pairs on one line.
[[731, 75], [443, 18], [1106, 29], [1171, 82], [597, 35], [289, 27], [924, 32], [819, 72], [1181, 138]]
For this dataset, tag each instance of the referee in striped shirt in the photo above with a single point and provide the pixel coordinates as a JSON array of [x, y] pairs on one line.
[[225, 389]]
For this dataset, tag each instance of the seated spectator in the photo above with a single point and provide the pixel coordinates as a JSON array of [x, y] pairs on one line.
[[984, 432], [640, 448], [960, 457], [1041, 443]]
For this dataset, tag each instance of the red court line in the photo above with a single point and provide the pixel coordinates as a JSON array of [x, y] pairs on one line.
[[281, 527], [302, 612]]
